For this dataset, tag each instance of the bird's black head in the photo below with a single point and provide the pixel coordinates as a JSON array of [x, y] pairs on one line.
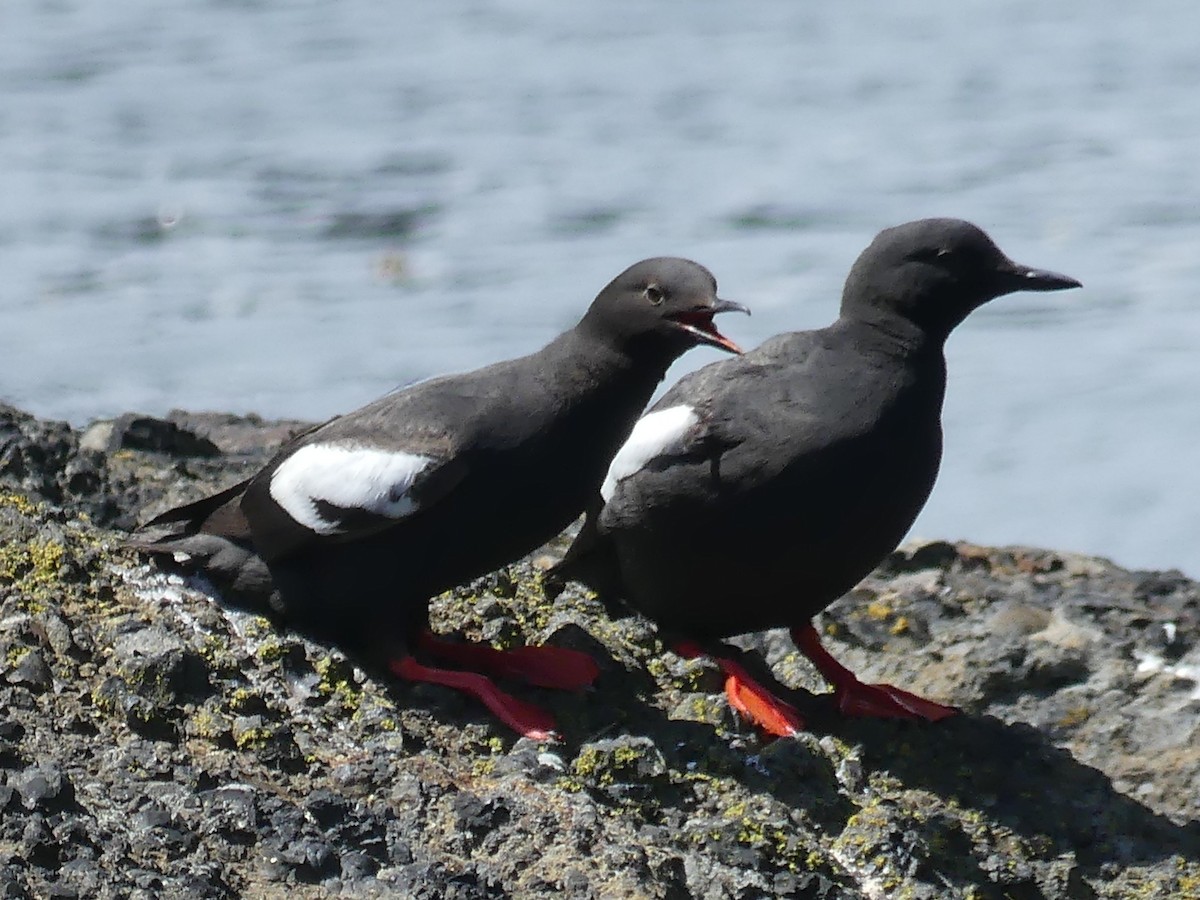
[[934, 272], [660, 307]]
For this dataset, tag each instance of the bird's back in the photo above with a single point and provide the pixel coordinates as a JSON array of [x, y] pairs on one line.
[[519, 449]]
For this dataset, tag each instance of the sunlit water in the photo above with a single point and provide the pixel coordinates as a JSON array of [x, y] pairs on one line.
[[291, 208]]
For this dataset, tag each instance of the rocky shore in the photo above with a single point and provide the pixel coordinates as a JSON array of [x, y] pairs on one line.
[[154, 744]]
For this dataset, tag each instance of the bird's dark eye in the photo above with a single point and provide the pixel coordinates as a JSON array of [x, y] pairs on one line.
[[654, 294], [930, 254]]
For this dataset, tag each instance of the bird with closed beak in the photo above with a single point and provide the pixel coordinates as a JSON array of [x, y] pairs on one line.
[[760, 489]]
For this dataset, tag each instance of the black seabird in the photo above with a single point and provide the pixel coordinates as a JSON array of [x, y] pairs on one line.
[[355, 524], [760, 489]]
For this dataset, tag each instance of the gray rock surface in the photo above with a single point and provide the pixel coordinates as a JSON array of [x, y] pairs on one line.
[[154, 744]]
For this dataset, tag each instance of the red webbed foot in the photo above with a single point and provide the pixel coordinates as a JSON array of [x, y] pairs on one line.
[[549, 667], [751, 699], [523, 718], [885, 701], [854, 698]]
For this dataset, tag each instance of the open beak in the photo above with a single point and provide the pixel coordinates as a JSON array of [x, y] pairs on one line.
[[699, 324]]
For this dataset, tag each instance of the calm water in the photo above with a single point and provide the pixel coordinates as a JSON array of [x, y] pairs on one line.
[[291, 208]]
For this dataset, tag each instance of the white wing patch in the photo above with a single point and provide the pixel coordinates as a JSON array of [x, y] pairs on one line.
[[654, 435], [351, 477]]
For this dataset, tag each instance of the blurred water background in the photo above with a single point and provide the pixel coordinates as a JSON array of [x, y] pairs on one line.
[[291, 208]]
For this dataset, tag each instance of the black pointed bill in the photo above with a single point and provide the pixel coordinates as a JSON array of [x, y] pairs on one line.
[[1026, 279], [699, 324]]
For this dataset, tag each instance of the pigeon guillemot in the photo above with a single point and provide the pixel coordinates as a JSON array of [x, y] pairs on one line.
[[760, 489], [355, 524]]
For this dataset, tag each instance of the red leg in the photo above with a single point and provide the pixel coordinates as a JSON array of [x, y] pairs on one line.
[[522, 717], [549, 667], [747, 696], [869, 700]]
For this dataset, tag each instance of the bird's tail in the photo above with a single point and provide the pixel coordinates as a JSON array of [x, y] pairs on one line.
[[194, 515], [235, 570], [211, 537]]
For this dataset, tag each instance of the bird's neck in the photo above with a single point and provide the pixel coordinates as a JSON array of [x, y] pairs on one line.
[[648, 355], [894, 332], [608, 365], [921, 356]]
